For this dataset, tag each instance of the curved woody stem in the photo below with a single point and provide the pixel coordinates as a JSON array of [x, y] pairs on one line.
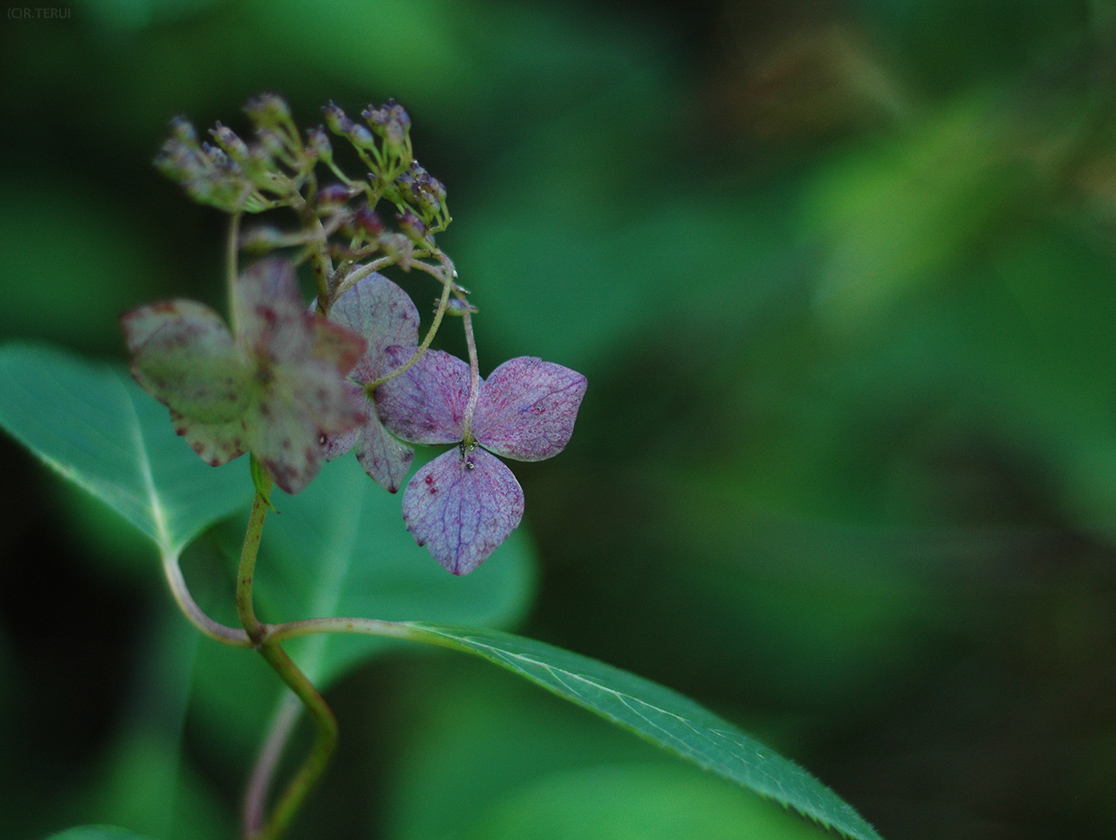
[[326, 737]]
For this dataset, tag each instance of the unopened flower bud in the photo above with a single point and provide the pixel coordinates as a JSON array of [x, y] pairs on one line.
[[399, 248], [336, 194], [366, 221], [228, 140], [318, 145], [392, 122], [336, 119], [413, 226], [457, 306], [360, 136], [268, 109], [183, 131], [261, 240]]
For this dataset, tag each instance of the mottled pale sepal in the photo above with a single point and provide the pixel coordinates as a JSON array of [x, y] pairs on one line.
[[265, 294], [334, 344], [426, 404], [215, 443], [527, 409], [462, 506], [185, 357], [307, 401]]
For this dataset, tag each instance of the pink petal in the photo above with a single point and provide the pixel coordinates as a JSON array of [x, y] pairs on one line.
[[527, 409], [461, 506], [383, 314], [185, 357], [426, 404]]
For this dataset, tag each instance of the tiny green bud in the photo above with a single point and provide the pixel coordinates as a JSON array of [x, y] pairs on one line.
[[228, 140], [366, 221], [360, 136], [261, 240], [336, 194], [457, 306], [268, 109], [183, 131], [413, 226], [392, 122], [318, 145], [400, 248], [336, 119]]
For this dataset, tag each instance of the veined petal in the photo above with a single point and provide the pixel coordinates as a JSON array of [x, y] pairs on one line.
[[185, 357], [461, 506], [527, 408], [426, 404], [383, 314], [385, 458]]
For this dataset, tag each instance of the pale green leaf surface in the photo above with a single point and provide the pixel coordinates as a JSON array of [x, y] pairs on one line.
[[637, 801], [92, 424], [660, 715], [97, 832]]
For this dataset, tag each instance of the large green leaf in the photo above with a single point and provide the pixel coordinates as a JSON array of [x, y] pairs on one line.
[[658, 714], [96, 427], [97, 832]]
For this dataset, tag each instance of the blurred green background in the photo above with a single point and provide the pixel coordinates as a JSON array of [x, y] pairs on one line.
[[841, 276]]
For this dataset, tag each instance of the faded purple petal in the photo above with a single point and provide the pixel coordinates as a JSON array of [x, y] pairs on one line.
[[527, 408], [461, 506], [385, 458], [426, 404], [185, 357], [383, 314]]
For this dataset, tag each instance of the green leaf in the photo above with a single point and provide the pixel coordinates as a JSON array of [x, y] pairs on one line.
[[660, 715], [97, 832], [637, 801], [96, 427]]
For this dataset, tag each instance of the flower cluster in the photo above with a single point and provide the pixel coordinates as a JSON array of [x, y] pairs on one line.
[[297, 387]]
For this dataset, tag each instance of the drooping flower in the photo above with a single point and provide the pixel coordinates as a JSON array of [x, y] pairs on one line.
[[273, 389], [386, 316], [463, 504]]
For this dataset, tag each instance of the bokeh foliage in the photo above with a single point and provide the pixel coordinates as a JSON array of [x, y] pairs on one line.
[[841, 278]]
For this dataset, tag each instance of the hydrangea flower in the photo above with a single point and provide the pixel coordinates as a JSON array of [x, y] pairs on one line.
[[386, 316], [464, 503], [273, 389]]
